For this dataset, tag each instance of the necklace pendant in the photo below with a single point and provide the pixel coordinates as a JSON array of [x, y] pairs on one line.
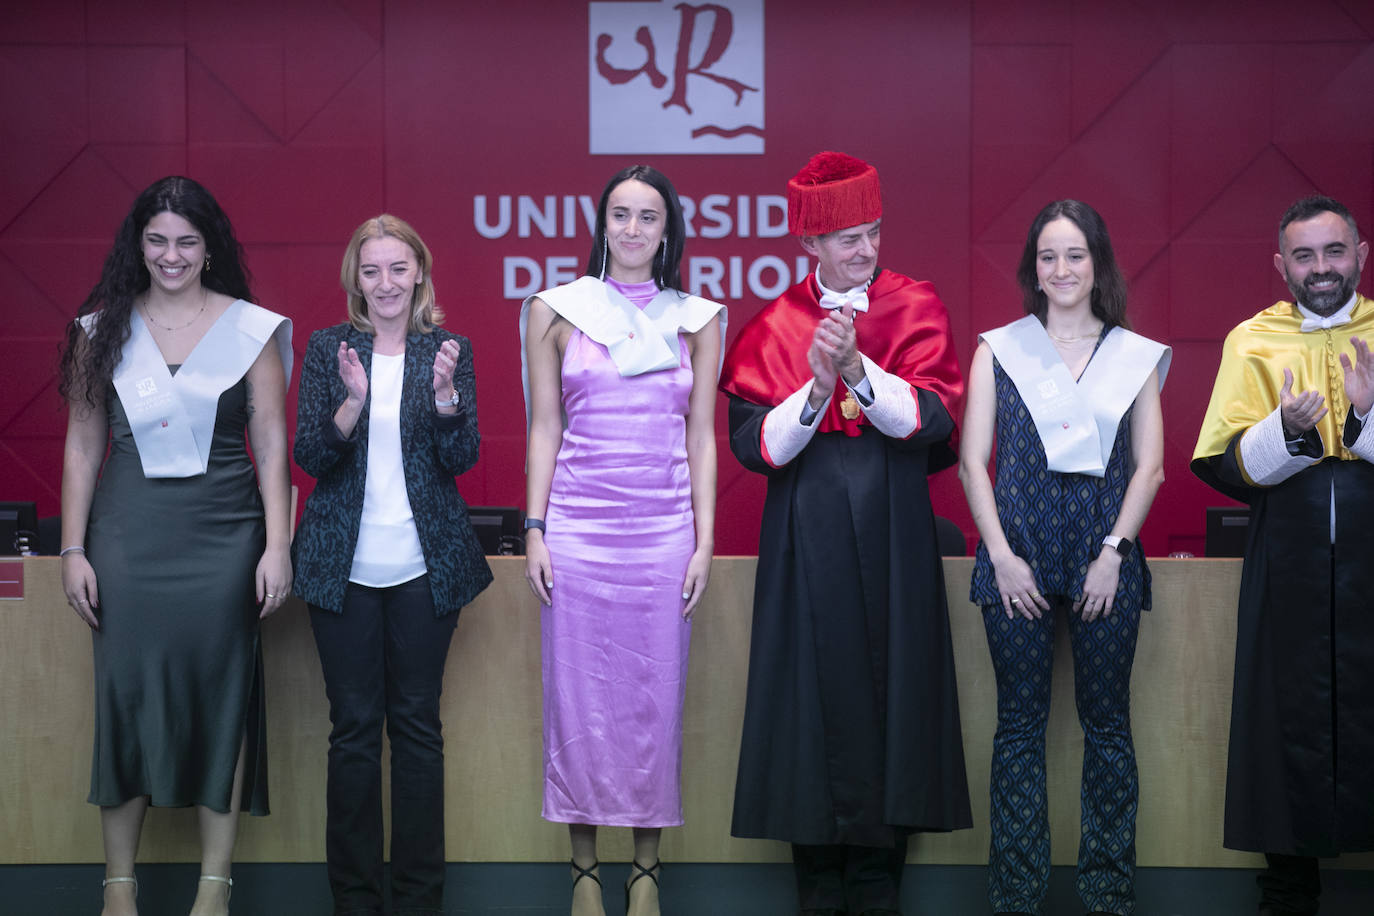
[[849, 407]]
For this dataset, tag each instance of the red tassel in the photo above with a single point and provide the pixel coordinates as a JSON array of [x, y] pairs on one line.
[[832, 191]]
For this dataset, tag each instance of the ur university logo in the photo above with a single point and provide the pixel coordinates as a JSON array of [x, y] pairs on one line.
[[676, 77]]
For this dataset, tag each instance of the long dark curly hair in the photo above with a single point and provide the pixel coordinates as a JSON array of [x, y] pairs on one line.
[[88, 364]]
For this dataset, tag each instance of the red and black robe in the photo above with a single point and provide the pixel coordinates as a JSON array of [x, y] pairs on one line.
[[851, 728]]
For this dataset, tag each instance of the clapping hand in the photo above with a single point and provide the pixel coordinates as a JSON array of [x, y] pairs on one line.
[[1301, 411], [1359, 376], [352, 373], [836, 340], [445, 362]]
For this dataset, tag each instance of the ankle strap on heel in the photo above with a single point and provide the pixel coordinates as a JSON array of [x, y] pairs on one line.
[[638, 871], [227, 882], [106, 882], [584, 872]]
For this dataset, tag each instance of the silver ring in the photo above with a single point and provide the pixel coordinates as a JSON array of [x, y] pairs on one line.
[[270, 595], [1016, 601]]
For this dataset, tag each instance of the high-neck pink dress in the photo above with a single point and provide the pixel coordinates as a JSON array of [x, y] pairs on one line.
[[620, 534]]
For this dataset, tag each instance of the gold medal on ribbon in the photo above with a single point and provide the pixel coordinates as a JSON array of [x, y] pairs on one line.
[[849, 407]]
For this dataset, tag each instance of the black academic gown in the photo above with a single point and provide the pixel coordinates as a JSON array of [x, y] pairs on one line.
[[1300, 774], [851, 727]]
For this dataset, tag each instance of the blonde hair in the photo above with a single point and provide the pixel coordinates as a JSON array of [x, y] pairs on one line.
[[425, 315]]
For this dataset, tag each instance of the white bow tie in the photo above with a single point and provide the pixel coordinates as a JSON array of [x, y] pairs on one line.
[[1323, 324], [856, 297]]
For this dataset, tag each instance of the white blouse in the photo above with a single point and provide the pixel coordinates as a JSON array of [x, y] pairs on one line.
[[388, 551]]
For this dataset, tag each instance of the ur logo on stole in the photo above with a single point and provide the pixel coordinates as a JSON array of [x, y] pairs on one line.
[[676, 78]]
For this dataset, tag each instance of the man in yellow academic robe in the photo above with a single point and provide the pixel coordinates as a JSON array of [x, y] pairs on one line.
[[1286, 432]]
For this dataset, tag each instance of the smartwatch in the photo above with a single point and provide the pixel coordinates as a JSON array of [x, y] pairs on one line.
[[1122, 546]]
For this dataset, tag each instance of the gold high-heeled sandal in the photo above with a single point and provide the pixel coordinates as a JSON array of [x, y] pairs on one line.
[[106, 882], [227, 882]]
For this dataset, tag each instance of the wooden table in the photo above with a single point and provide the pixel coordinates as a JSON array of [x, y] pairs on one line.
[[491, 709]]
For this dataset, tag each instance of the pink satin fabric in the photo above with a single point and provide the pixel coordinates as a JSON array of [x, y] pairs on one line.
[[620, 533]]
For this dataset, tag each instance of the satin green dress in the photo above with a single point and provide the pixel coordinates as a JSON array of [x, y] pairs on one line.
[[178, 662]]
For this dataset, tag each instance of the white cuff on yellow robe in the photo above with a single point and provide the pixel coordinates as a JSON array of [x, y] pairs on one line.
[[1363, 446], [1264, 455]]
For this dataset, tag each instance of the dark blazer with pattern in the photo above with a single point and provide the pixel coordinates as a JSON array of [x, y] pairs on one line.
[[434, 449]]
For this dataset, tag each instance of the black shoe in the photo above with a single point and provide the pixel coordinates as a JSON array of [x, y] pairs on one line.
[[638, 871], [584, 872]]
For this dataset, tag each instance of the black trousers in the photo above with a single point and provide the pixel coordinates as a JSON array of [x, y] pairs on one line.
[[383, 659], [1290, 885], [850, 879]]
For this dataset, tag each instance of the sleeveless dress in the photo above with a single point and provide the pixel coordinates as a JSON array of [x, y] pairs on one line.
[[620, 535], [178, 663]]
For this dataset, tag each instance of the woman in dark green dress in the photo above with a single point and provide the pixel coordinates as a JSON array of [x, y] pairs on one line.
[[174, 546]]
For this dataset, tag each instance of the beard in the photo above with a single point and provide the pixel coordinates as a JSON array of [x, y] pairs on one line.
[[1326, 302]]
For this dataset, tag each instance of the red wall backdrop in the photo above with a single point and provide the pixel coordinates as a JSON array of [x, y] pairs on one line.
[[1189, 126]]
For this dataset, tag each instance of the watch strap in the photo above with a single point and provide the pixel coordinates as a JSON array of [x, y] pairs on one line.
[[1121, 545]]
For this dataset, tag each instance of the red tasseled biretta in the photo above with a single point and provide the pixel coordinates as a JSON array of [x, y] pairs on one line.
[[832, 191]]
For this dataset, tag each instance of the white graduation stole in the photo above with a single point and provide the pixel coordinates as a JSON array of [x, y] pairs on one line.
[[1076, 420], [638, 340], [173, 417]]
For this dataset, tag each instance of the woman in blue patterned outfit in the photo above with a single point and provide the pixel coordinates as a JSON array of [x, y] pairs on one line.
[[1071, 398], [386, 557]]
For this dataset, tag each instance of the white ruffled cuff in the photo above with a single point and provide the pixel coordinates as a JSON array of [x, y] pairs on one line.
[[784, 434], [1363, 446], [893, 411], [1264, 455]]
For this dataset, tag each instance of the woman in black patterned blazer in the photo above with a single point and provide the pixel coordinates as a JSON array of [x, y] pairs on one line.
[[385, 557]]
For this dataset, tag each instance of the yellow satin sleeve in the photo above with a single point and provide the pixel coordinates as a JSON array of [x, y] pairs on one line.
[[1251, 374]]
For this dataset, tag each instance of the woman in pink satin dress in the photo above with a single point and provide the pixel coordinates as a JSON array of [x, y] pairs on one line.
[[621, 370]]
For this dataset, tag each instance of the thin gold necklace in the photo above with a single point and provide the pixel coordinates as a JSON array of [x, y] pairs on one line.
[[194, 318], [1092, 336]]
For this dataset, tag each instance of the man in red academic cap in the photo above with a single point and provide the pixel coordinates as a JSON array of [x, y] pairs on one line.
[[844, 393]]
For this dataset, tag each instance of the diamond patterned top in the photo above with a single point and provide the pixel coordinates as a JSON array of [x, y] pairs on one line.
[[1054, 521]]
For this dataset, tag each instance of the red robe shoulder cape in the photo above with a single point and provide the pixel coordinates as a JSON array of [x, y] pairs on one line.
[[905, 332]]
